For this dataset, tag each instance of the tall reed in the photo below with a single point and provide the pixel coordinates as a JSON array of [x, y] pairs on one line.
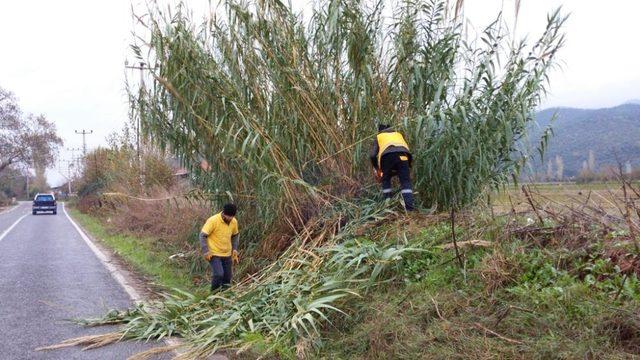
[[285, 110]]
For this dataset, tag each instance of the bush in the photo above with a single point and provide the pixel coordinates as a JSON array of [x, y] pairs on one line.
[[5, 200], [170, 221], [89, 204], [116, 169]]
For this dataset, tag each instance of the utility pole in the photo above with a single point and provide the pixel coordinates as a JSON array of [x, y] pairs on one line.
[[27, 185], [141, 67], [84, 133], [69, 179], [75, 159]]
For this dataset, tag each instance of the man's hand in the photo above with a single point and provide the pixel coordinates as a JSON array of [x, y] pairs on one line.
[[377, 173], [208, 256], [235, 257]]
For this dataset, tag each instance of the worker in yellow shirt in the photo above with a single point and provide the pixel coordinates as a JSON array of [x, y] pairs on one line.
[[219, 243], [390, 156]]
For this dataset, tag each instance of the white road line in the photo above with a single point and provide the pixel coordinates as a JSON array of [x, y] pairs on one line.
[[12, 226], [133, 294]]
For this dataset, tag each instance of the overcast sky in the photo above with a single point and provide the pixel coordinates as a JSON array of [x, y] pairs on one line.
[[65, 58]]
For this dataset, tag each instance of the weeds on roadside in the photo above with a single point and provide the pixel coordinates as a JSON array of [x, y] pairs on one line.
[[567, 290]]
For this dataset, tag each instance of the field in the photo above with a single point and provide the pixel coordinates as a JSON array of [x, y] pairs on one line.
[[606, 196]]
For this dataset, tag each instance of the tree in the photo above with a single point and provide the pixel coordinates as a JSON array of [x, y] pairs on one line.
[[592, 161], [559, 167], [39, 181], [25, 139], [13, 183]]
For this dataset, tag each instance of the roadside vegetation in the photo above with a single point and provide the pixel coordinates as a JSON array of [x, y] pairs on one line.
[[557, 279], [564, 286], [129, 204], [148, 256]]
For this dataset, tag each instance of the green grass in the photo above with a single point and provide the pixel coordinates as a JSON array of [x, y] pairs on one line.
[[141, 253], [564, 296], [548, 302], [517, 298]]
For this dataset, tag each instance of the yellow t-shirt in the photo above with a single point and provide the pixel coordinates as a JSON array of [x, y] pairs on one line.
[[219, 234]]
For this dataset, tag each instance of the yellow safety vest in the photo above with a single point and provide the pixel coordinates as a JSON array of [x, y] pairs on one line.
[[387, 139]]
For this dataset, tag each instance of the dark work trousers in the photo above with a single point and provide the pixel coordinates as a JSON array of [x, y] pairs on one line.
[[392, 165], [221, 269]]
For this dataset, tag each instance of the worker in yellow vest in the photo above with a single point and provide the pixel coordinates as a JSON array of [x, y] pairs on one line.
[[390, 156]]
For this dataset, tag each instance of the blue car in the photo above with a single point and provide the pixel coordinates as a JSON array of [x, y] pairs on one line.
[[44, 202]]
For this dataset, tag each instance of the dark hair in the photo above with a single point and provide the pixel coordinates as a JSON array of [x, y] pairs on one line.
[[383, 127], [229, 209]]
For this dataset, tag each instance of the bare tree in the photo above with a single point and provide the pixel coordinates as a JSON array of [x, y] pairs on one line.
[[592, 161], [559, 167], [25, 139]]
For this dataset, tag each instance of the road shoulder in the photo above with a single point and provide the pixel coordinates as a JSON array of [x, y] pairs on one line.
[[152, 269], [134, 284], [128, 280], [8, 209]]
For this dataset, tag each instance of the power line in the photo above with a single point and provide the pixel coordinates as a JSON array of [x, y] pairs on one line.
[[74, 159], [84, 140]]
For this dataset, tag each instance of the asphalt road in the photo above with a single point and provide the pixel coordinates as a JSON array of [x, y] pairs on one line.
[[48, 275]]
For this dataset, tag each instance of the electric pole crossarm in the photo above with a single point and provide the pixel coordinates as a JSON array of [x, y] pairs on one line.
[[84, 134]]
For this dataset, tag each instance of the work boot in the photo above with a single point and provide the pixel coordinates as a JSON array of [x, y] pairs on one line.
[[407, 196]]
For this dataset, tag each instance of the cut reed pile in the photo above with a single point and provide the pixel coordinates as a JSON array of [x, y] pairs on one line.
[[277, 309]]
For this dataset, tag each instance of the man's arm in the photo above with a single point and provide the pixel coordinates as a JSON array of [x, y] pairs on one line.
[[203, 243], [235, 241], [374, 154]]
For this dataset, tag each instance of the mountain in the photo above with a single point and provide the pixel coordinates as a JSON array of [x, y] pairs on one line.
[[607, 132]]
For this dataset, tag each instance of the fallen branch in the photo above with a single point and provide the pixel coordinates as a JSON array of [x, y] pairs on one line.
[[533, 207], [437, 309], [461, 244], [498, 335]]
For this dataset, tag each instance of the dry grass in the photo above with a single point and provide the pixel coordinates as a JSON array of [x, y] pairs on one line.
[[88, 342], [153, 352], [164, 214], [497, 271], [623, 328], [607, 196]]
